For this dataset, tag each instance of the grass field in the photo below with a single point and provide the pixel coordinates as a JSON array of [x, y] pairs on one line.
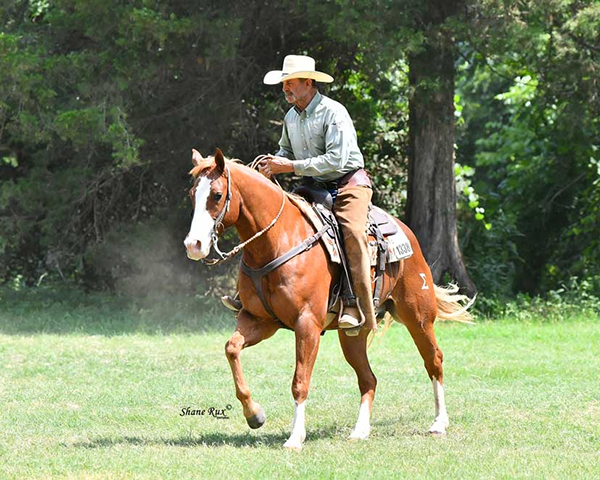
[[91, 388]]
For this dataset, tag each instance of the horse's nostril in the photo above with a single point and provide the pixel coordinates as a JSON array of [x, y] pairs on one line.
[[192, 244]]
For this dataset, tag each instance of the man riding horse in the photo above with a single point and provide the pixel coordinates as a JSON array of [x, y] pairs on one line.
[[285, 273], [319, 141]]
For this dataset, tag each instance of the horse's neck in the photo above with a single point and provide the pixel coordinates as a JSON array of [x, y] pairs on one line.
[[260, 202]]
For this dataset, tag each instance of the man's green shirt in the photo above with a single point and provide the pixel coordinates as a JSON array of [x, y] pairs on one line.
[[321, 140]]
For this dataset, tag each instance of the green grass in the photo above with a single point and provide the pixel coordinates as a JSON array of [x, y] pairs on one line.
[[93, 387]]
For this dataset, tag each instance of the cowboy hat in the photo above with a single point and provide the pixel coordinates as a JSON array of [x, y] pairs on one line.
[[296, 66]]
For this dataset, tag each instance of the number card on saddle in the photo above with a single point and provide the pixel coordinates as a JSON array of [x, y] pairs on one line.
[[387, 242]]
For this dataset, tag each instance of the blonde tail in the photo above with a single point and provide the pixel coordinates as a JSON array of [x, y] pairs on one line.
[[387, 323], [453, 306]]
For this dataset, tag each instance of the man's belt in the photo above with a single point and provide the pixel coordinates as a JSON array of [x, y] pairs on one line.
[[357, 178], [354, 178]]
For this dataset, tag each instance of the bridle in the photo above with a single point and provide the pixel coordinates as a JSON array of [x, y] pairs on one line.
[[219, 222], [214, 237]]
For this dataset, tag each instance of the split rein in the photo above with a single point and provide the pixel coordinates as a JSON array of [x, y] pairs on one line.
[[219, 221]]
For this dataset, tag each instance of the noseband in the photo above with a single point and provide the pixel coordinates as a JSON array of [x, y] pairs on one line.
[[219, 223]]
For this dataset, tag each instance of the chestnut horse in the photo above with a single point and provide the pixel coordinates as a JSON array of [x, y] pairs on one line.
[[228, 194]]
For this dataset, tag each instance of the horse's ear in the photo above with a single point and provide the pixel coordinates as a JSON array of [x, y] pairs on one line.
[[220, 160], [196, 157]]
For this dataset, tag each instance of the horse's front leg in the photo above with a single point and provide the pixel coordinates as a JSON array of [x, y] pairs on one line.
[[249, 331], [308, 335]]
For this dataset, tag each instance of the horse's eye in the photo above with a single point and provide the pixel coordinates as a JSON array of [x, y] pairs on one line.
[[218, 196]]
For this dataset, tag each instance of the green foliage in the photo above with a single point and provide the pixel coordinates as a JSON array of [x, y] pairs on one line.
[[378, 102], [469, 198], [576, 298], [102, 96], [103, 100], [531, 110]]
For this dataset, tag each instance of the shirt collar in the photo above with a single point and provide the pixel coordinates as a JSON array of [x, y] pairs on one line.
[[310, 108]]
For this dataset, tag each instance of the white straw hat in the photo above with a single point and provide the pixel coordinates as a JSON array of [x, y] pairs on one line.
[[296, 66]]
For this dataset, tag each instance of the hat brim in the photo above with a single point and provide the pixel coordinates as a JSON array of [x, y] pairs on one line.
[[277, 76]]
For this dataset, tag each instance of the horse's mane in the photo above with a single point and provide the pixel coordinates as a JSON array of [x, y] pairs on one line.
[[209, 162]]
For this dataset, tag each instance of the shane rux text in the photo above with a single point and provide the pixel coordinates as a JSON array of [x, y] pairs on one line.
[[211, 412]]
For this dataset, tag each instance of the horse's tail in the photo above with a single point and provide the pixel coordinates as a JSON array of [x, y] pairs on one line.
[[452, 305]]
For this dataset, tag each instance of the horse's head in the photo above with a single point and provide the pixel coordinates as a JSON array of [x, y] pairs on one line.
[[209, 199]]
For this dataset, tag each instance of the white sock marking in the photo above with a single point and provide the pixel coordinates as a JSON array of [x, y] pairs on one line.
[[441, 415], [298, 430], [363, 424]]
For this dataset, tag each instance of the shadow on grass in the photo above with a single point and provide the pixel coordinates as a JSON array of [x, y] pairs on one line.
[[214, 439], [209, 440], [38, 311], [383, 428]]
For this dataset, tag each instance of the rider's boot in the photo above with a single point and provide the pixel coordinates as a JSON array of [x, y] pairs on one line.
[[351, 321], [232, 303], [363, 313], [351, 318], [351, 210]]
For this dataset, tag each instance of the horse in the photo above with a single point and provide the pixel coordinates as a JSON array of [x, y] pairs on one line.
[[225, 194]]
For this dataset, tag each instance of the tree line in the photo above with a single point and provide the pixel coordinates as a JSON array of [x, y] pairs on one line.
[[479, 121]]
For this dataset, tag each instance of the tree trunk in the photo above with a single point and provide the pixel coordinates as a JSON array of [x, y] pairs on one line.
[[431, 202]]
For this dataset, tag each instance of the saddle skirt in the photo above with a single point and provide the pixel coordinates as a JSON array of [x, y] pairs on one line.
[[396, 242]]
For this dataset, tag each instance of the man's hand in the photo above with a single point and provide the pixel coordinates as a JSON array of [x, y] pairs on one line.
[[272, 165]]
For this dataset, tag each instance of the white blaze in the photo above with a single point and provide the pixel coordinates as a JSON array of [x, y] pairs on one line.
[[202, 223]]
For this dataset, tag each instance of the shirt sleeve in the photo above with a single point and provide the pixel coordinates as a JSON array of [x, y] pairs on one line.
[[337, 138], [285, 146]]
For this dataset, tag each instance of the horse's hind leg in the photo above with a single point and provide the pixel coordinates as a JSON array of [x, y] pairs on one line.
[[418, 316], [355, 352], [249, 331]]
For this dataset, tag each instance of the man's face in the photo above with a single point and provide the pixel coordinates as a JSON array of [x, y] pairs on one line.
[[296, 90]]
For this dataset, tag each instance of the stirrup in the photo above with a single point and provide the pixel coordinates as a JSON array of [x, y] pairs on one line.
[[352, 332], [231, 303], [348, 321], [350, 324]]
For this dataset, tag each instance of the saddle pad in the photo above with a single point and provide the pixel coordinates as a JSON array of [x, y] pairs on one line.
[[398, 244], [316, 222], [398, 247]]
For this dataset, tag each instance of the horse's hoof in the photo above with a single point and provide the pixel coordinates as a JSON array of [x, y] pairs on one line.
[[257, 420], [358, 435], [293, 446], [438, 428]]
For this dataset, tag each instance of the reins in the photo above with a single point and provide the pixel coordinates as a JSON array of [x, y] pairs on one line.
[[257, 274], [218, 221]]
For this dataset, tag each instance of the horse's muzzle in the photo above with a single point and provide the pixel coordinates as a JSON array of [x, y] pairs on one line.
[[194, 250]]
